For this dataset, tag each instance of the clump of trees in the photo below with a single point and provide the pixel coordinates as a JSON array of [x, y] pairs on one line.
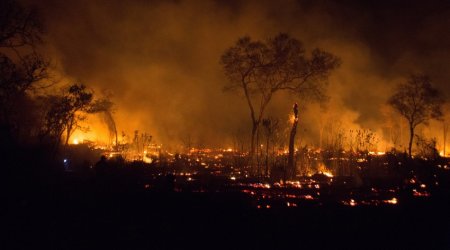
[[27, 116], [261, 69], [66, 111], [22, 69]]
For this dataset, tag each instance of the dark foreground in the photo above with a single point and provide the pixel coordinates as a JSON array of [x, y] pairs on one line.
[[69, 213]]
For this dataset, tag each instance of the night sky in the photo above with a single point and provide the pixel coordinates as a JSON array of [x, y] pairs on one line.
[[160, 59]]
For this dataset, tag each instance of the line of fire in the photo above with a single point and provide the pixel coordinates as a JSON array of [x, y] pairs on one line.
[[355, 176]]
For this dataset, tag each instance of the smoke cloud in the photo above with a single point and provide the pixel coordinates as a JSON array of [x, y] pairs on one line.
[[160, 59]]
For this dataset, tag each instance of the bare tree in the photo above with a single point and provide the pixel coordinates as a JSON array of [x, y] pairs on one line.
[[261, 69], [418, 102]]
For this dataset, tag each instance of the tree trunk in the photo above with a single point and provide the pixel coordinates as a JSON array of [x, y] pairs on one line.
[[267, 156], [411, 137], [321, 137], [252, 145], [117, 140], [273, 154], [68, 134], [116, 147], [258, 154], [69, 129], [291, 165], [445, 137], [401, 136]]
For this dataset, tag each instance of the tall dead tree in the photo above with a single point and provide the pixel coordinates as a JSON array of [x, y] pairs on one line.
[[291, 164]]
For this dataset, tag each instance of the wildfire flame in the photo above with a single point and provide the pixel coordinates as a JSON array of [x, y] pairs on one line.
[[322, 169], [292, 118]]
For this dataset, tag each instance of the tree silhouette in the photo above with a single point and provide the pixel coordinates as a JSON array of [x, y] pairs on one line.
[[261, 69], [19, 27], [104, 106], [21, 67], [291, 164], [418, 102], [67, 110], [271, 125], [445, 127]]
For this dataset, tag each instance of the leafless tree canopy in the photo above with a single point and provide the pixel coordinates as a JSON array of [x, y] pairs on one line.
[[280, 63]]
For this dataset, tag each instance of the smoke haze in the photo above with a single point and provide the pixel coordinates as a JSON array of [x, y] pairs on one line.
[[160, 59]]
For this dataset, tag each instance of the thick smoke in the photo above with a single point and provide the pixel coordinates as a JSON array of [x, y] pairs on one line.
[[161, 58]]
